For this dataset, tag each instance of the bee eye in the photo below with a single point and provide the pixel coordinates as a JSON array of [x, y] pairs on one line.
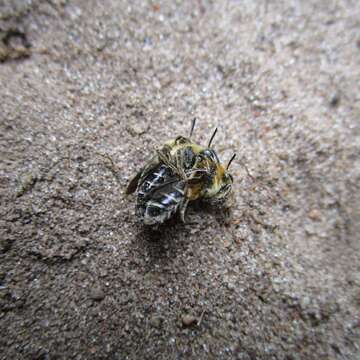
[[227, 178], [180, 140]]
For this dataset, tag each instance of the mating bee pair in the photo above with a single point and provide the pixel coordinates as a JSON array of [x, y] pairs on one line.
[[179, 172]]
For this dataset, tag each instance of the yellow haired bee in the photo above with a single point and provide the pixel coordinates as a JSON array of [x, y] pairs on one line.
[[179, 172]]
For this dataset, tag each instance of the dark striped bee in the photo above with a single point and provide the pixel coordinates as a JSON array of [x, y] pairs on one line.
[[179, 172]]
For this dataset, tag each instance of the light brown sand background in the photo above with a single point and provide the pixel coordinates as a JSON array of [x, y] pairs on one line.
[[279, 278]]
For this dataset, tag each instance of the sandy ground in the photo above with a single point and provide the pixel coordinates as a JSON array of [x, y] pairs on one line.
[[88, 89]]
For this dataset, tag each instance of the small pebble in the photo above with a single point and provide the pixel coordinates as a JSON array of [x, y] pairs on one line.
[[231, 286], [314, 214], [283, 155], [136, 130], [156, 322], [188, 320], [97, 294], [305, 302], [227, 243], [335, 100]]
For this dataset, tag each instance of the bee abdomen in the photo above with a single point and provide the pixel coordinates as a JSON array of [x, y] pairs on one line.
[[162, 206], [153, 181]]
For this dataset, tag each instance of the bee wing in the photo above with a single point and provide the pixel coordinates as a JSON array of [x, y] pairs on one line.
[[161, 156], [133, 183], [167, 186], [171, 194], [141, 175]]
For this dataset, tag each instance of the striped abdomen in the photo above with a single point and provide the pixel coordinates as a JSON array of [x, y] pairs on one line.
[[159, 196]]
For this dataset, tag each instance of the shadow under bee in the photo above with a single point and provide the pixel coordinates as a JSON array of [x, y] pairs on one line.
[[164, 242], [202, 209]]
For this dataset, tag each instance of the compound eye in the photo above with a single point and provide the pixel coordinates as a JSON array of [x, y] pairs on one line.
[[210, 155], [227, 178], [181, 140]]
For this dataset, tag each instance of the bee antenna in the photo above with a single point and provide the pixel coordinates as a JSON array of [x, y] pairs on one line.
[[230, 161], [192, 127], [212, 137]]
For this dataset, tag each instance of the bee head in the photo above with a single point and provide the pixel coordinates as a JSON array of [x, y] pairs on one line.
[[220, 185], [220, 188], [226, 187]]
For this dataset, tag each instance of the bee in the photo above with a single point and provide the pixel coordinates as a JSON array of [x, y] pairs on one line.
[[179, 172]]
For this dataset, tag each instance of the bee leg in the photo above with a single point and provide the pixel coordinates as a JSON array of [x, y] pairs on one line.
[[166, 159], [183, 207]]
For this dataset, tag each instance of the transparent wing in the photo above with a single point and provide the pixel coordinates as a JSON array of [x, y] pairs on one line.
[[138, 179]]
